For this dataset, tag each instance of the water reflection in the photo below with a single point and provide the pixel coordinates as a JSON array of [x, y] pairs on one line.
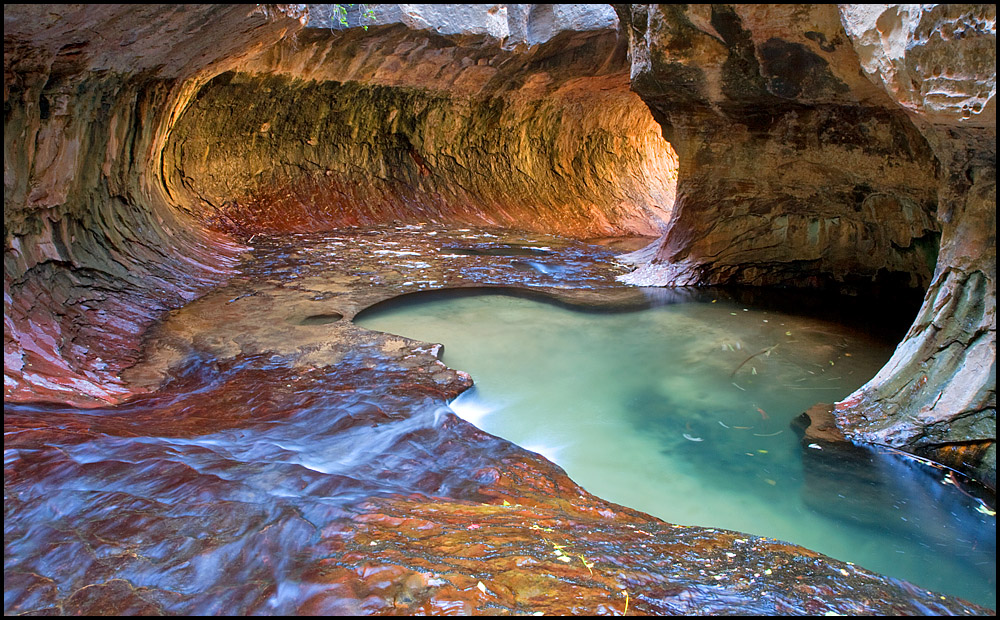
[[683, 410]]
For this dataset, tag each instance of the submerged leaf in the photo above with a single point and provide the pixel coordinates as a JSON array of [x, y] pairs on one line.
[[983, 508]]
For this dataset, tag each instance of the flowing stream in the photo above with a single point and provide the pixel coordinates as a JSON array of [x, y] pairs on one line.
[[263, 474], [683, 411]]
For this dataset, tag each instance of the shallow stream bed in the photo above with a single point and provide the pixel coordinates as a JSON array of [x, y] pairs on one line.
[[282, 459]]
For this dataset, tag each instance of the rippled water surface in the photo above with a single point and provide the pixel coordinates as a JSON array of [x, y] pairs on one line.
[[683, 411]]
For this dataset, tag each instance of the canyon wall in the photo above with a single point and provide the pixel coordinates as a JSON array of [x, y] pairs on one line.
[[835, 146], [94, 251], [937, 395], [793, 168], [397, 124]]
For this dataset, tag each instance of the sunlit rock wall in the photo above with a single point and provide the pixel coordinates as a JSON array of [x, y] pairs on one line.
[[937, 395], [461, 123], [793, 168]]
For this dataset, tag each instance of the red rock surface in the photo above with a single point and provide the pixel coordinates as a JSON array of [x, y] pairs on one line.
[[290, 467]]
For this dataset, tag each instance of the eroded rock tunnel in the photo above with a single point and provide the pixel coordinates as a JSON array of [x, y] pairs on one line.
[[354, 155]]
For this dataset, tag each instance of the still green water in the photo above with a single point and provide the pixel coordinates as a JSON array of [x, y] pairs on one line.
[[682, 411]]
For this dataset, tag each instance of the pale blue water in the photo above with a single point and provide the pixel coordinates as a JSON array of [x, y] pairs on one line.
[[664, 410]]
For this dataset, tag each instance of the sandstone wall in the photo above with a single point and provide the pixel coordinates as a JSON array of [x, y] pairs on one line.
[[819, 145], [395, 124], [937, 395], [94, 248], [793, 169]]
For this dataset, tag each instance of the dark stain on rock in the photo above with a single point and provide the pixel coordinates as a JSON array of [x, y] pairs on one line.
[[820, 39], [321, 319], [742, 80], [794, 72]]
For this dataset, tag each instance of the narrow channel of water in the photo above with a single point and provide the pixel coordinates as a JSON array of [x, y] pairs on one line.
[[683, 411]]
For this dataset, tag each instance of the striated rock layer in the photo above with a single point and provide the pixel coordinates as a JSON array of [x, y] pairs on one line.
[[94, 248], [395, 125], [827, 147]]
